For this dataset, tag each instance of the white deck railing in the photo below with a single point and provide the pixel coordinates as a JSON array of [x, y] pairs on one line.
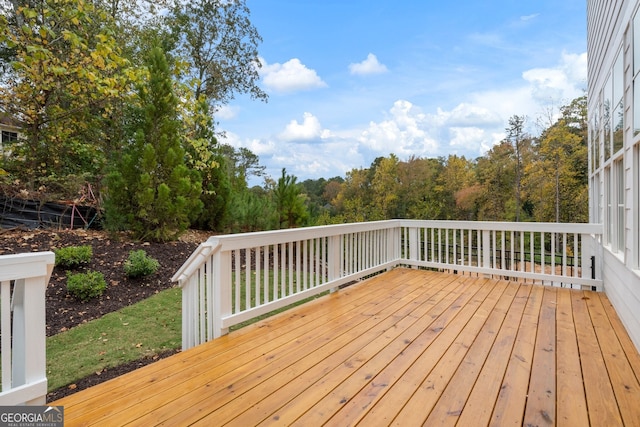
[[23, 283], [233, 278]]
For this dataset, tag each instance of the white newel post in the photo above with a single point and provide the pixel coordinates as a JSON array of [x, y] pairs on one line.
[[221, 291], [333, 258], [24, 338], [29, 333], [393, 244], [486, 248], [413, 244]]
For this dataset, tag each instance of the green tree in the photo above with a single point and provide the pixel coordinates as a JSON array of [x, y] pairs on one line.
[[457, 175], [153, 192], [559, 188], [64, 72], [241, 164], [220, 47], [521, 143], [251, 210], [496, 175], [203, 155], [353, 202], [289, 201], [386, 188], [420, 193]]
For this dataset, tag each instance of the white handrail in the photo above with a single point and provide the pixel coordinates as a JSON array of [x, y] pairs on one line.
[[23, 283], [233, 278]]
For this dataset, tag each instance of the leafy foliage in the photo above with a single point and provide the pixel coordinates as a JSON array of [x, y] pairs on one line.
[[73, 256], [86, 286], [521, 179], [139, 264], [64, 73], [251, 210], [152, 192], [289, 202], [220, 47]]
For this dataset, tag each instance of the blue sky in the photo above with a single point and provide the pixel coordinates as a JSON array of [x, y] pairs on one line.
[[351, 80]]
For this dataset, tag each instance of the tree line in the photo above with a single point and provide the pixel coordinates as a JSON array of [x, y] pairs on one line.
[[122, 94], [523, 178], [539, 178]]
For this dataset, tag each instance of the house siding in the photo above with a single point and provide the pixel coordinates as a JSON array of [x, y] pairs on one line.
[[610, 32]]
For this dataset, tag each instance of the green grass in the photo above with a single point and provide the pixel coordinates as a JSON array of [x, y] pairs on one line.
[[143, 329]]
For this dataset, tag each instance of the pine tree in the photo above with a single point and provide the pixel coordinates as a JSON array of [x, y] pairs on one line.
[[152, 192]]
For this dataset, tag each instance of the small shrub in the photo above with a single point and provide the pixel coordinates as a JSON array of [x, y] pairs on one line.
[[73, 256], [85, 286], [139, 264]]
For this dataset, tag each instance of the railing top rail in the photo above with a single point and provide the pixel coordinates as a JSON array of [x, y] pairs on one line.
[[194, 261], [581, 228], [260, 238], [22, 266]]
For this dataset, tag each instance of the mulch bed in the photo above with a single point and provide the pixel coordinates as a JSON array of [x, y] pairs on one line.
[[109, 255]]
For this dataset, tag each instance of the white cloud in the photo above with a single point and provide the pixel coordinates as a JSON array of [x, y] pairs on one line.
[[292, 76], [467, 129], [326, 159], [529, 17], [226, 112], [406, 131], [559, 84], [467, 114], [472, 141], [309, 129], [470, 127], [261, 147], [371, 65]]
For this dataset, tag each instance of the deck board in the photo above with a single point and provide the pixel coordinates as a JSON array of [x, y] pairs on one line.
[[406, 347]]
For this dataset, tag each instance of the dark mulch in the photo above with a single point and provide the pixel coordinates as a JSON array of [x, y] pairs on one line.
[[109, 255]]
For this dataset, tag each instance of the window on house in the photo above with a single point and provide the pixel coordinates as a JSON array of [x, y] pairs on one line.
[[592, 145], [618, 194], [8, 137], [636, 43], [597, 200], [636, 204], [598, 135], [636, 105], [608, 208], [618, 104], [606, 119]]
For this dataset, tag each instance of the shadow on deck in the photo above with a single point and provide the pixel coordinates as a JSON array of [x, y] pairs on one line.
[[406, 347]]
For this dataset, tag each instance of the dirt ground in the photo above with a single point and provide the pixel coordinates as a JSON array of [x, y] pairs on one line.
[[109, 254]]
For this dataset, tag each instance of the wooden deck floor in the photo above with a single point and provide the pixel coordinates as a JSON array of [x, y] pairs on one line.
[[405, 348]]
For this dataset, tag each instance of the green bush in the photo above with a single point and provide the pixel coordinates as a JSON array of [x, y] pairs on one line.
[[73, 256], [139, 264], [85, 286]]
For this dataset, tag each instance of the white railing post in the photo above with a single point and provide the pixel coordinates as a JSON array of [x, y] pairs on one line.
[[333, 258], [413, 243], [394, 244], [221, 291], [24, 378], [486, 248], [29, 336]]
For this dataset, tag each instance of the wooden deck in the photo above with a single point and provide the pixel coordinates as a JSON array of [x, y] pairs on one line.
[[407, 347]]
